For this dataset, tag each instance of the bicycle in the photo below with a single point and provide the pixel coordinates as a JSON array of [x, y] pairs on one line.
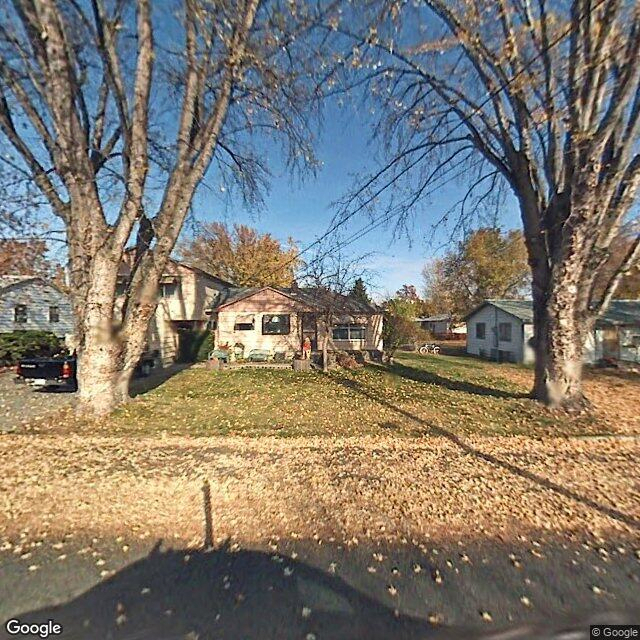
[[429, 348]]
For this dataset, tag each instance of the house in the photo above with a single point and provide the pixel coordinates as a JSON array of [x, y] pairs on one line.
[[503, 330], [279, 319], [185, 293], [31, 303], [442, 325]]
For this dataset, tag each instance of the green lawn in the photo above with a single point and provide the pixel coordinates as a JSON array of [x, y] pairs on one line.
[[416, 396]]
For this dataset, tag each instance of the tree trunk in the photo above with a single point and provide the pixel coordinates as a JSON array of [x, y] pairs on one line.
[[559, 348], [98, 390], [108, 352], [559, 258], [103, 377], [561, 324], [325, 352]]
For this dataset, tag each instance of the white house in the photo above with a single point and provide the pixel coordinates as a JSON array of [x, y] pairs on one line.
[[503, 330], [30, 303]]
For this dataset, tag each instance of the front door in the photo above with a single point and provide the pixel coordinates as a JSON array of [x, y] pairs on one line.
[[310, 329]]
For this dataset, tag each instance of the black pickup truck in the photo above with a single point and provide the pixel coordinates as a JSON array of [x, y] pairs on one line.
[[60, 371], [48, 372]]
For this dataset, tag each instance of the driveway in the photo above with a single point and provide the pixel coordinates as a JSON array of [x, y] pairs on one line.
[[20, 404]]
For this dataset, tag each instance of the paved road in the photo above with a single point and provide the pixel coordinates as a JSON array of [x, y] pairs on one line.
[[20, 404], [301, 590]]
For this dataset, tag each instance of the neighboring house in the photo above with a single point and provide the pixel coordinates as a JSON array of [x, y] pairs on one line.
[[184, 295], [503, 330], [30, 303], [441, 325], [279, 319]]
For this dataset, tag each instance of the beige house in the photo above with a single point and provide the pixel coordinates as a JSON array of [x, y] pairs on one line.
[[277, 320], [184, 295]]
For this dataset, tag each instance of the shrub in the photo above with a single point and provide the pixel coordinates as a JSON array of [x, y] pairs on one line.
[[18, 345], [346, 360], [204, 346]]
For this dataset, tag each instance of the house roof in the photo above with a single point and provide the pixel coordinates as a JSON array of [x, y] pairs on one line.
[[234, 294], [620, 312], [442, 317], [521, 309], [310, 297], [8, 281], [320, 297], [171, 268]]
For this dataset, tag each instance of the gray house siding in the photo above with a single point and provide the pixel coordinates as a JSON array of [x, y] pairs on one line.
[[38, 297]]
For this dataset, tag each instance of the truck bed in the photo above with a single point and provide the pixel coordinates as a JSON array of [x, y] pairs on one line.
[[47, 371]]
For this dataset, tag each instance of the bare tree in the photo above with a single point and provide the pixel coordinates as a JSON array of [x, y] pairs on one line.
[[541, 98], [328, 279], [117, 110]]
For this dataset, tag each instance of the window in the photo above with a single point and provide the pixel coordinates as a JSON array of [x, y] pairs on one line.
[[481, 328], [168, 289], [340, 333], [20, 313], [348, 332], [54, 314], [121, 287], [278, 325], [504, 332]]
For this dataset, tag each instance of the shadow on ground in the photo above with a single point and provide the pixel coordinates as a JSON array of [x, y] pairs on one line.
[[628, 519], [140, 386], [223, 594], [252, 595], [428, 377]]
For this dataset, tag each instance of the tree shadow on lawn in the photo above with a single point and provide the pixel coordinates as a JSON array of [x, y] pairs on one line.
[[541, 481], [224, 594], [420, 375], [140, 386]]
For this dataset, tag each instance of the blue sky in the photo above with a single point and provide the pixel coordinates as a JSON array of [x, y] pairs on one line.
[[304, 212]]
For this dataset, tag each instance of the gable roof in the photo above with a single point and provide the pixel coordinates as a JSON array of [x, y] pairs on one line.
[[9, 281], [620, 312], [309, 297], [442, 317], [319, 297], [234, 294], [171, 268]]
